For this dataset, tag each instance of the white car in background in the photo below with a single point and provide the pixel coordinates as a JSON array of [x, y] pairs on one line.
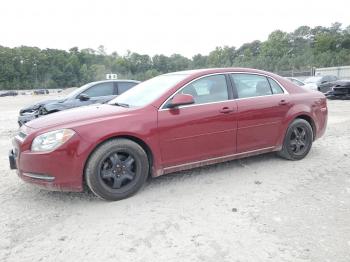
[[296, 81]]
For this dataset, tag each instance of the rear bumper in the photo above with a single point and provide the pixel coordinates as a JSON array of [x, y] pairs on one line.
[[321, 123]]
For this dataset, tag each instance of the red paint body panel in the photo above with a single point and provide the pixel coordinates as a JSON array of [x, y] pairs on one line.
[[176, 139], [65, 164], [195, 133], [259, 121]]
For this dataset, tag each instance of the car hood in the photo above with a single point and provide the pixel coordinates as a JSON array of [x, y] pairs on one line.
[[41, 103], [76, 116]]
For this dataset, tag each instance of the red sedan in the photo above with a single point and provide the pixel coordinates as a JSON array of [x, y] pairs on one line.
[[172, 122]]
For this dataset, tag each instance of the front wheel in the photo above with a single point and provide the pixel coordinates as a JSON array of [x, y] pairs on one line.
[[298, 140], [42, 111], [117, 169]]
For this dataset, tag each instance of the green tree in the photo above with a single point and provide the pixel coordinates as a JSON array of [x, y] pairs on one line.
[[30, 67]]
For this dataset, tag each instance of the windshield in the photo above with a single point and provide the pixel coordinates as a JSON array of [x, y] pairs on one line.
[[146, 92], [313, 79]]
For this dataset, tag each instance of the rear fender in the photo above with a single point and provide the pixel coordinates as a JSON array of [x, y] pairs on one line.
[[293, 113]]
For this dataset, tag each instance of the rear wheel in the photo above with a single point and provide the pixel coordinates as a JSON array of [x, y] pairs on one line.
[[298, 140], [117, 169]]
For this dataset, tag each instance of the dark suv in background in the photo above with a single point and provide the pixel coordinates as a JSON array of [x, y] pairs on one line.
[[320, 83], [91, 93]]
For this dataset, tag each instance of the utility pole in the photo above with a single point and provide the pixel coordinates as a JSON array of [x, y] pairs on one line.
[[36, 72]]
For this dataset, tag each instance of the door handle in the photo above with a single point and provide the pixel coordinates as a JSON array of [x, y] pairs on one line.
[[283, 102], [226, 110]]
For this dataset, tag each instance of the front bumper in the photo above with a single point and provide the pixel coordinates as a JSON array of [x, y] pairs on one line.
[[59, 170]]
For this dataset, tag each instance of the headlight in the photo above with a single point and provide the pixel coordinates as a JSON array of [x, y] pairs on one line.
[[51, 140]]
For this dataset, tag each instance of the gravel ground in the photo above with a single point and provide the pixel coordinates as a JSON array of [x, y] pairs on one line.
[[260, 208]]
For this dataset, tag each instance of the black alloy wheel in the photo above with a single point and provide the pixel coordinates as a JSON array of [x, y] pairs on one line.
[[42, 111], [117, 169], [297, 141]]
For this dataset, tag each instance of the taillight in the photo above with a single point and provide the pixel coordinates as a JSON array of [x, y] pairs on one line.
[[323, 103]]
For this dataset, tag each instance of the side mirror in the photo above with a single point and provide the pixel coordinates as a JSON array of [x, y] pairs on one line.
[[180, 100], [83, 97]]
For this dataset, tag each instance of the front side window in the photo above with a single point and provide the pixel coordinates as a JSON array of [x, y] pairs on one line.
[[102, 89], [249, 85], [207, 89]]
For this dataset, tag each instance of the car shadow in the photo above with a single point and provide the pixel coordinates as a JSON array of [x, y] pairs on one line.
[[209, 170], [154, 183], [85, 196]]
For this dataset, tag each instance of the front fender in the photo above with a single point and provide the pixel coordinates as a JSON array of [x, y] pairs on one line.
[[54, 107], [36, 106], [137, 125]]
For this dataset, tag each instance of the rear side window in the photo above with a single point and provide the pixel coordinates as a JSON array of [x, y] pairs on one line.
[[102, 89], [276, 88], [208, 89], [249, 85], [125, 86]]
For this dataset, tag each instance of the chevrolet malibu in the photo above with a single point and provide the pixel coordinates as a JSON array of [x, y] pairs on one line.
[[169, 123]]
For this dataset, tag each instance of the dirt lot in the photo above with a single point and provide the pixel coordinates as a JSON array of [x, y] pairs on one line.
[[257, 209]]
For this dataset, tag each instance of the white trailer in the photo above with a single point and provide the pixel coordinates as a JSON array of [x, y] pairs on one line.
[[342, 72]]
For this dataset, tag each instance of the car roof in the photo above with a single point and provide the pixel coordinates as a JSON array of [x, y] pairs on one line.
[[114, 80], [199, 72]]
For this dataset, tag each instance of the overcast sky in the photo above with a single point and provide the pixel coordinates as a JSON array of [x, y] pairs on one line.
[[158, 26]]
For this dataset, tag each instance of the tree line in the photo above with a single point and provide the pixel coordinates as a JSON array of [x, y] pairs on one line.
[[30, 67]]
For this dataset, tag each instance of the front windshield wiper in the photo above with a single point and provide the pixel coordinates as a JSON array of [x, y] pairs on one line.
[[121, 104]]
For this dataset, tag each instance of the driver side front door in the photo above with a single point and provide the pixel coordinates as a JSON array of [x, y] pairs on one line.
[[201, 131]]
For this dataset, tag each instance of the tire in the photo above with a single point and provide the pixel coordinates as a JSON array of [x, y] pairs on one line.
[[297, 141], [117, 169], [42, 111]]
